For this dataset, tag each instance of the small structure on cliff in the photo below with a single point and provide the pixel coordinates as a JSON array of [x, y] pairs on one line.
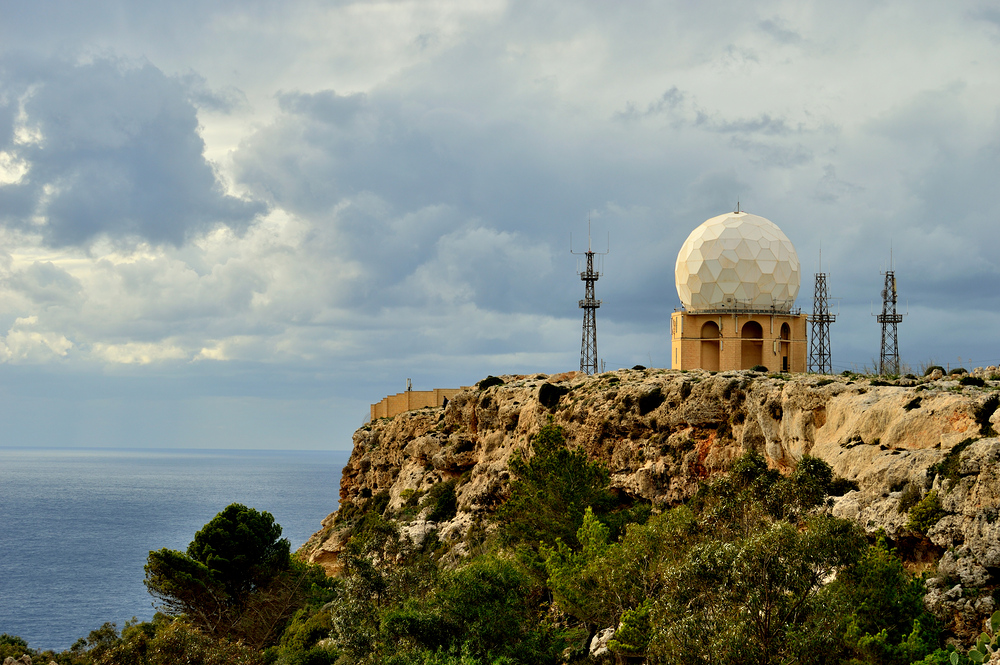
[[393, 405], [737, 276]]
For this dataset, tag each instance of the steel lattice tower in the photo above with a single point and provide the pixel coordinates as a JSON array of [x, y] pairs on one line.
[[819, 338], [589, 305], [888, 361]]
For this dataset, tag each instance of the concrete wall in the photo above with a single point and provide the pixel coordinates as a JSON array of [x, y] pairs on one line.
[[412, 399], [725, 338]]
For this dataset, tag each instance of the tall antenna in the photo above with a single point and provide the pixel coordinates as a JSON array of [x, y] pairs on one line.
[[888, 361], [820, 361], [589, 305]]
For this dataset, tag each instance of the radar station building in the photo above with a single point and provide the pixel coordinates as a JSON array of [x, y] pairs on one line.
[[737, 277]]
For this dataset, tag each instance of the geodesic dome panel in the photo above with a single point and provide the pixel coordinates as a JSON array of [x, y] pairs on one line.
[[737, 260]]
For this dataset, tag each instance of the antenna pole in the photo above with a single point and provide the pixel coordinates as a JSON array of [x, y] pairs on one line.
[[888, 361], [589, 305]]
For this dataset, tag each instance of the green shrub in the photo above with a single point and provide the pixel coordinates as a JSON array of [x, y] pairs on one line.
[[987, 645], [957, 370], [926, 513], [443, 500], [931, 368], [550, 492], [972, 381], [758, 368]]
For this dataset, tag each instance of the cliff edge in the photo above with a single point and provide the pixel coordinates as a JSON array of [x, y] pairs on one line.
[[661, 432]]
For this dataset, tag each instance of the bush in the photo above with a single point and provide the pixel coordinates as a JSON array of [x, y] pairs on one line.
[[968, 380], [957, 370], [931, 368], [758, 368], [926, 514], [167, 642], [551, 492], [443, 501]]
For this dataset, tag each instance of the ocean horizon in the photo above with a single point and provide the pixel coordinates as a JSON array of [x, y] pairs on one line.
[[78, 523]]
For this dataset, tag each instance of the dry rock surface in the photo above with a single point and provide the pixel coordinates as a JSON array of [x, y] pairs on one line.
[[661, 432]]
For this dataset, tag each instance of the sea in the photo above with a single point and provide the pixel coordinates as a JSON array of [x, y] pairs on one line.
[[76, 525]]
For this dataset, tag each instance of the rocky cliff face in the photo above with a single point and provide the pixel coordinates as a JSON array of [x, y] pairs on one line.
[[660, 432]]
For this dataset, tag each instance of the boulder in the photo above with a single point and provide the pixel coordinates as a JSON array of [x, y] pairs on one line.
[[599, 645]]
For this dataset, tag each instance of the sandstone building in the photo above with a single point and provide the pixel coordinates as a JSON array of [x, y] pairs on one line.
[[393, 405], [737, 276]]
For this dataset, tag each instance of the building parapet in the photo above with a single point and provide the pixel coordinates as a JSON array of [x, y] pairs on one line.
[[393, 405]]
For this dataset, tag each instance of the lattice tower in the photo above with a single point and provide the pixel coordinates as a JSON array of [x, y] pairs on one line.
[[888, 361], [589, 305], [819, 339]]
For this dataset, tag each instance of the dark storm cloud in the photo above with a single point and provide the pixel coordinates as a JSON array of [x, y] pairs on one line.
[[111, 149]]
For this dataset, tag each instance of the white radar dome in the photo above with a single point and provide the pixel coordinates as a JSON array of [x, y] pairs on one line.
[[737, 260]]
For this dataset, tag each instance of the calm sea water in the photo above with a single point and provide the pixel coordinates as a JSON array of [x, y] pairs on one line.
[[76, 525]]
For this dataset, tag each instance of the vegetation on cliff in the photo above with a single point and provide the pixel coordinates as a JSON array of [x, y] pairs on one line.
[[476, 534]]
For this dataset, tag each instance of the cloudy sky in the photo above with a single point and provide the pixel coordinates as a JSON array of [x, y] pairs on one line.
[[236, 224]]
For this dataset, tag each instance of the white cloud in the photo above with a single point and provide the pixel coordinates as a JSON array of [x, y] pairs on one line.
[[24, 342]]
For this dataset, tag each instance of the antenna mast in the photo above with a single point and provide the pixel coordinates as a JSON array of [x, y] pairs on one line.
[[589, 305], [820, 361], [888, 361]]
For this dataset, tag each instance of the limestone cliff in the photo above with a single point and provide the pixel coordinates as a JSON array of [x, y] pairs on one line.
[[660, 432]]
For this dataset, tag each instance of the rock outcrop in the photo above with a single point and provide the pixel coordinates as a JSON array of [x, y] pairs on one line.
[[661, 432]]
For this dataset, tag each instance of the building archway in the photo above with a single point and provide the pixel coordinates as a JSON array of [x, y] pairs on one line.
[[710, 346], [752, 345], [786, 346]]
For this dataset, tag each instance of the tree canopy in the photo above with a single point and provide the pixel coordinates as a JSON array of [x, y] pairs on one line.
[[233, 562]]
